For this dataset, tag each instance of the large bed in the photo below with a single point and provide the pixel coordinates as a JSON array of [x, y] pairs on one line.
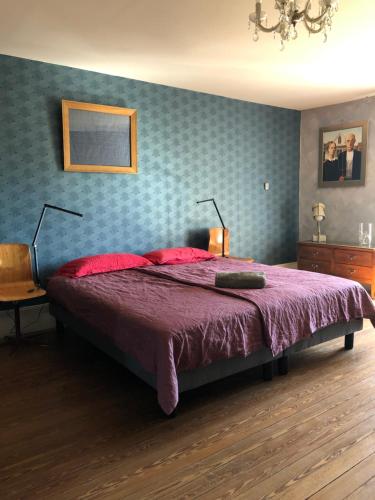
[[173, 328]]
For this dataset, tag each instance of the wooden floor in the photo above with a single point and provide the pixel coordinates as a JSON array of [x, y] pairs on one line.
[[74, 424]]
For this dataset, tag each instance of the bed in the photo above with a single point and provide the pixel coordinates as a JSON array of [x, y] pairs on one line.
[[174, 329]]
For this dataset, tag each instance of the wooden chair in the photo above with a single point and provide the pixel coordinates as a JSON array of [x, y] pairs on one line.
[[215, 244], [16, 279]]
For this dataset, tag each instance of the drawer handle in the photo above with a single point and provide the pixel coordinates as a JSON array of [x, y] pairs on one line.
[[351, 271], [351, 257], [315, 252]]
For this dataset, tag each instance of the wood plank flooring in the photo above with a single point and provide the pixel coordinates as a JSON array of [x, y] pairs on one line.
[[74, 424]]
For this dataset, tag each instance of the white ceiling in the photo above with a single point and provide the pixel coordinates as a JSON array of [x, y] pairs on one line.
[[200, 45]]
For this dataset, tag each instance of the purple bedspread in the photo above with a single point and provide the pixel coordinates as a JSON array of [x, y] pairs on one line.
[[293, 305], [172, 318]]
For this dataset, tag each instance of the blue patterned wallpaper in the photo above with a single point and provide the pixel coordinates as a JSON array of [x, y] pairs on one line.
[[191, 146]]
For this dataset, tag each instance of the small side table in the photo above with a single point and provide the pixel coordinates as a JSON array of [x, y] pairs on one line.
[[243, 259], [17, 293]]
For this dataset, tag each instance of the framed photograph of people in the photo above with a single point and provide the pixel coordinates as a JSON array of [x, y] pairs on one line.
[[342, 155]]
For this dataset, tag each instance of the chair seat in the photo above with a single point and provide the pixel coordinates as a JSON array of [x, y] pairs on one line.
[[19, 290]]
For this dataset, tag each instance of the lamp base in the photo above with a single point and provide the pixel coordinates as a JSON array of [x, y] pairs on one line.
[[320, 238]]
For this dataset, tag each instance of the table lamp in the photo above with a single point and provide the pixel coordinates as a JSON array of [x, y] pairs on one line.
[[34, 243], [319, 215], [222, 223]]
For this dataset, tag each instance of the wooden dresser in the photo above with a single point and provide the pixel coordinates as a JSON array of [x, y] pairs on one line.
[[348, 261]]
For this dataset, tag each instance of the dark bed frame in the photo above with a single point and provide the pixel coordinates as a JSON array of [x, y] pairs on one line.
[[220, 369]]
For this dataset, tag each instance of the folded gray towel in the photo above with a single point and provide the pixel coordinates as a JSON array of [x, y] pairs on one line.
[[240, 280]]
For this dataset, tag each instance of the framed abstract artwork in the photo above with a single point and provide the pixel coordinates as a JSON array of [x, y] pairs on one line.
[[342, 155], [99, 138]]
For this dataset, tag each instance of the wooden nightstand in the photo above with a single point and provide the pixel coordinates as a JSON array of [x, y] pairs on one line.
[[244, 259]]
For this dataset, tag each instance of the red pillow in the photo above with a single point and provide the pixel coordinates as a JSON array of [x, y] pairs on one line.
[[104, 263], [182, 255]]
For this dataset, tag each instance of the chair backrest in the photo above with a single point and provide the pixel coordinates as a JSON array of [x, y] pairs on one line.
[[215, 244], [15, 263]]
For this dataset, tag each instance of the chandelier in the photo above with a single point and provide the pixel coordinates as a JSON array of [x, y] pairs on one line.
[[290, 14]]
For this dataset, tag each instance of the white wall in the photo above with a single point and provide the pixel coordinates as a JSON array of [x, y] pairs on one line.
[[346, 207]]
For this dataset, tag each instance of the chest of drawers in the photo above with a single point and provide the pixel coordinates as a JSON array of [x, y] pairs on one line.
[[348, 261]]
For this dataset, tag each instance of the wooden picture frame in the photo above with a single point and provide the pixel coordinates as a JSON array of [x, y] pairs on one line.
[[99, 138], [334, 143]]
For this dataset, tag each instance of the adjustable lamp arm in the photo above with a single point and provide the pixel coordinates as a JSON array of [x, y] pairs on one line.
[[34, 243], [217, 210], [221, 220], [42, 217]]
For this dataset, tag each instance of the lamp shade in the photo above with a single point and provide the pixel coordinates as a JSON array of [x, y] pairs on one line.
[[318, 210]]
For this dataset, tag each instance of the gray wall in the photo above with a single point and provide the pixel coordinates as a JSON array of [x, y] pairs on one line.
[[345, 207]]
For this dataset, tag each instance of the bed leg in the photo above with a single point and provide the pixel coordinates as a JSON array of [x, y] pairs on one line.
[[172, 415], [349, 341], [267, 371], [283, 365], [59, 330]]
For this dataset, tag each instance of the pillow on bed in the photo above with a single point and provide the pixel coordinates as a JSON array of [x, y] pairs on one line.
[[180, 255], [104, 263]]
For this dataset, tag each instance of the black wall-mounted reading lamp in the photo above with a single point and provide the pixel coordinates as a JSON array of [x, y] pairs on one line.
[[221, 220], [34, 243]]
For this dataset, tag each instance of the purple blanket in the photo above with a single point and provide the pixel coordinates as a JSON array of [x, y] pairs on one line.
[[172, 318], [293, 305]]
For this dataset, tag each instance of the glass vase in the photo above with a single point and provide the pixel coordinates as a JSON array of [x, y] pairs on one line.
[[365, 234]]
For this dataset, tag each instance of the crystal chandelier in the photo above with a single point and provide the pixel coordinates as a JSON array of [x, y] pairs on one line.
[[290, 14]]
